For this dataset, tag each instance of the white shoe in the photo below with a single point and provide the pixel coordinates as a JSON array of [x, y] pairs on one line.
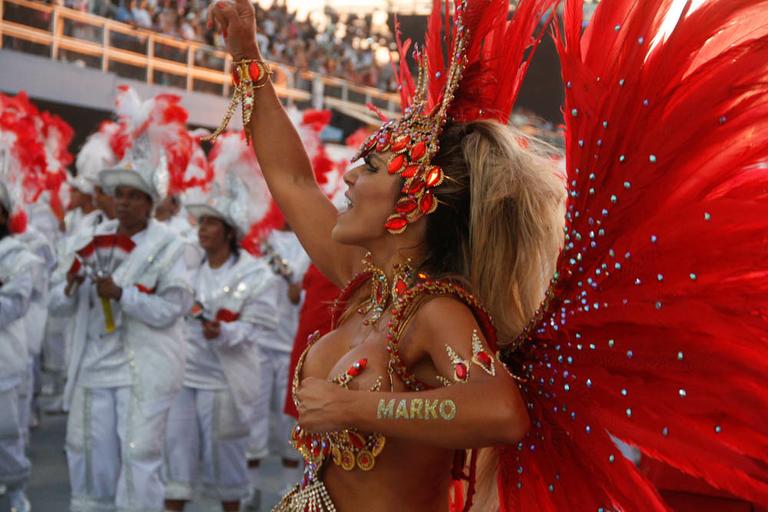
[[253, 502], [56, 406], [19, 501], [34, 418]]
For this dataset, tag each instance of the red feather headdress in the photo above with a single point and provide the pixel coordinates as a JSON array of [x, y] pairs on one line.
[[156, 144], [35, 155], [486, 64]]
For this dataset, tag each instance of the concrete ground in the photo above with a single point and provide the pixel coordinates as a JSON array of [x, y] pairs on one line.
[[48, 488]]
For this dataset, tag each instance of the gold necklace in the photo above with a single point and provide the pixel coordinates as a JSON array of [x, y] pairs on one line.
[[382, 293]]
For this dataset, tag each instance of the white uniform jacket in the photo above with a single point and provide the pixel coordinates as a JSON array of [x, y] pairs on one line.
[[241, 301], [156, 294], [287, 245], [16, 287], [37, 315]]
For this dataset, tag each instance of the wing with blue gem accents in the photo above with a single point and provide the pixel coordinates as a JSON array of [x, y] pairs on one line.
[[656, 327]]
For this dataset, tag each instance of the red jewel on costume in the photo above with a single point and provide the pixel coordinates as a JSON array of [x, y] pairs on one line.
[[416, 186], [481, 357], [396, 224], [382, 143], [434, 177], [418, 151], [356, 439], [410, 171], [427, 204], [406, 206], [396, 164], [401, 144], [461, 372], [400, 287], [460, 365], [357, 368], [255, 71]]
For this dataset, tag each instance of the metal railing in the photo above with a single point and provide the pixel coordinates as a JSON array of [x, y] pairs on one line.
[[94, 41]]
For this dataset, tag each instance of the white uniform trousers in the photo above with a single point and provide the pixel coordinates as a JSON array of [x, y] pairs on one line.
[[115, 451], [273, 384], [55, 344], [54, 351], [205, 447], [26, 395], [14, 464]]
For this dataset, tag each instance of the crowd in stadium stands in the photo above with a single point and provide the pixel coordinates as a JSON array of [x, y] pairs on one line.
[[343, 46], [533, 125]]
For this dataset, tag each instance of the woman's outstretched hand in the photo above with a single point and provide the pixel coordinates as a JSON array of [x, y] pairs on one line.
[[236, 20]]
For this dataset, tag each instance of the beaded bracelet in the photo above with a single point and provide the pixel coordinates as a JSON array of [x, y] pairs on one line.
[[247, 75]]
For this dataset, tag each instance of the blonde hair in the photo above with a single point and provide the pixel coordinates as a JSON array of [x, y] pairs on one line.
[[501, 217], [499, 229]]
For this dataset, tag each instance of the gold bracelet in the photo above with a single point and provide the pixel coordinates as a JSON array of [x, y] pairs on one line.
[[247, 75]]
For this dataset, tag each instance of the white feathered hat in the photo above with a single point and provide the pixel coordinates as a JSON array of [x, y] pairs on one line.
[[239, 195], [160, 145], [97, 154], [33, 156]]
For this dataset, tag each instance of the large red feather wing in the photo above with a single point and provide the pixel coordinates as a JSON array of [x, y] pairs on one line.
[[657, 328]]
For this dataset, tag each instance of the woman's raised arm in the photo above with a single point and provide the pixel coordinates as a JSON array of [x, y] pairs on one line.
[[281, 154]]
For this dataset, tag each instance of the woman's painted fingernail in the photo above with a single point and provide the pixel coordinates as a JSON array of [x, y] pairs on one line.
[[225, 33], [220, 5]]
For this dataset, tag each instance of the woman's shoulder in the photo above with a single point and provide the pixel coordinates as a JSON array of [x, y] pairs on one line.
[[429, 316], [439, 299], [442, 306]]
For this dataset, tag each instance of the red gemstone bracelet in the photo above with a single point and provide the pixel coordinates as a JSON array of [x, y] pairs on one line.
[[247, 75]]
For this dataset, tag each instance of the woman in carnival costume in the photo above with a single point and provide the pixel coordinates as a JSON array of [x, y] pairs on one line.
[[453, 359]]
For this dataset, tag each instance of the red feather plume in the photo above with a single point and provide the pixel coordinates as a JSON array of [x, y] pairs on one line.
[[497, 57], [317, 119], [259, 231], [657, 329], [17, 224]]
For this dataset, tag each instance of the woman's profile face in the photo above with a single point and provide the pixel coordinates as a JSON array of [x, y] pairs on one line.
[[371, 197]]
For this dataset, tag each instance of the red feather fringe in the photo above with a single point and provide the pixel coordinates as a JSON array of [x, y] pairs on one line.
[[17, 224], [317, 119], [274, 219], [497, 57], [658, 333]]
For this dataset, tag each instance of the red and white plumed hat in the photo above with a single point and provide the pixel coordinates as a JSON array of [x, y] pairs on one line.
[[239, 194], [102, 150], [159, 144], [194, 185], [33, 156]]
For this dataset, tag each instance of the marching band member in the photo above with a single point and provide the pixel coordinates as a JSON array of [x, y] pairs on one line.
[[88, 207], [128, 289], [32, 153], [16, 290], [208, 427]]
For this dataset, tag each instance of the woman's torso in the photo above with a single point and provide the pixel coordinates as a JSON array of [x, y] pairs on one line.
[[406, 475]]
